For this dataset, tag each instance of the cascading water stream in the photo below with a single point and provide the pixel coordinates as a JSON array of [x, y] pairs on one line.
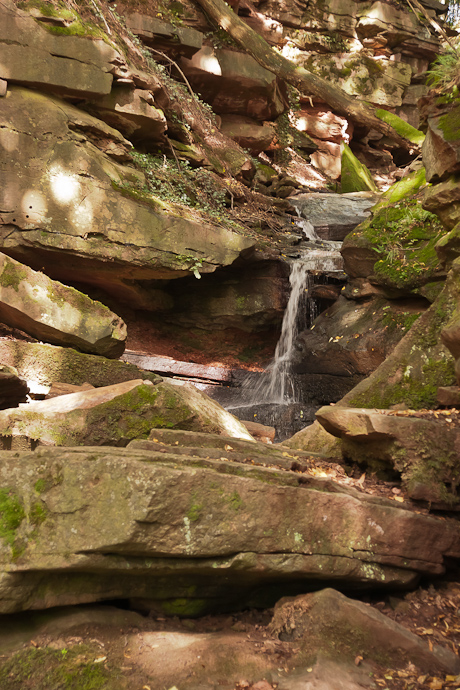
[[274, 397], [276, 385]]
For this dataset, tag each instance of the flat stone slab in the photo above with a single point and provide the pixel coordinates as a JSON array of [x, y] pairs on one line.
[[53, 312], [42, 365], [31, 55], [101, 523]]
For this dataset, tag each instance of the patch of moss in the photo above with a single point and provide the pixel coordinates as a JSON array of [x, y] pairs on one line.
[[185, 608], [12, 275], [403, 188], [50, 669], [11, 515], [404, 320], [404, 129], [38, 513], [195, 509], [449, 124], [355, 177], [416, 393]]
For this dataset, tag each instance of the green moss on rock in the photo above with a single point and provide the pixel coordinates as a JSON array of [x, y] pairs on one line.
[[48, 669], [355, 177], [11, 515], [404, 129]]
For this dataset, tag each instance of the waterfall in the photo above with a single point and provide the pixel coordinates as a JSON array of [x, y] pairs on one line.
[[277, 384]]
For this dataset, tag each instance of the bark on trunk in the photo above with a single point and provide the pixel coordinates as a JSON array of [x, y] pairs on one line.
[[306, 82]]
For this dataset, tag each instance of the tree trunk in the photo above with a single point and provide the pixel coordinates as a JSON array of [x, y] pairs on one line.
[[306, 82]]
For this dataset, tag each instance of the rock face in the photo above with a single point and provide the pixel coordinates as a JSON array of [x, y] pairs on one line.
[[51, 311], [95, 524], [77, 212], [315, 619], [233, 82], [424, 450], [64, 64], [114, 415]]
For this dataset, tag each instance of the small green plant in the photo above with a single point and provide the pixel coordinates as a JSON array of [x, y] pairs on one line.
[[194, 264], [445, 72]]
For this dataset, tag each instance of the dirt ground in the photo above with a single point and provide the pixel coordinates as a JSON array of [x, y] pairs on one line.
[[122, 650]]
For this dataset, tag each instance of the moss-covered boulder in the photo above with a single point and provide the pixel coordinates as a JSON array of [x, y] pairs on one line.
[[395, 248], [87, 524], [49, 310], [115, 415]]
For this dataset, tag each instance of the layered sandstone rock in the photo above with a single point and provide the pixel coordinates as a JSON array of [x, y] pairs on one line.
[[51, 311], [102, 523]]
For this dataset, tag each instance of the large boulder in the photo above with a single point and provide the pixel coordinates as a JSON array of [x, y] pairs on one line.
[[314, 621], [424, 450], [233, 82], [51, 311], [71, 65], [81, 525], [115, 415], [395, 249], [354, 337], [78, 215]]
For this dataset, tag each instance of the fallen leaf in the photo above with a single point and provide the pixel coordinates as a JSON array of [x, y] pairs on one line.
[[399, 499], [100, 659], [361, 479], [227, 447], [358, 660], [436, 684]]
